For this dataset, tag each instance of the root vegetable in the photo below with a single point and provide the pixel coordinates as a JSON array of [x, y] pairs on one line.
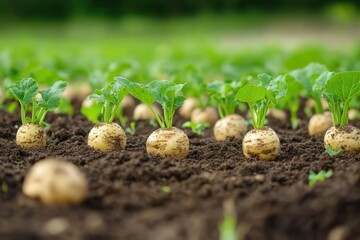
[[207, 115], [143, 112], [320, 123], [128, 102], [278, 114], [346, 137], [190, 104], [31, 135], [168, 142], [230, 126], [55, 181], [107, 137], [261, 144]]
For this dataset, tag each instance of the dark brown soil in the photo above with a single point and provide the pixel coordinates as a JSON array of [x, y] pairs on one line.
[[127, 200]]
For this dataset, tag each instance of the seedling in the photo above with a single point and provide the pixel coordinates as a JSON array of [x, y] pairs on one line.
[[166, 189], [262, 142], [333, 152], [107, 135], [320, 122], [197, 128], [339, 89], [168, 140], [223, 93], [131, 129], [319, 177], [31, 133]]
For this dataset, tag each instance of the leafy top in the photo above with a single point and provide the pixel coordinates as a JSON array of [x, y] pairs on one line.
[[164, 92]]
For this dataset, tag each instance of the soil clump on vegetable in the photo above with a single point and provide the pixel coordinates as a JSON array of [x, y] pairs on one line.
[[135, 197]]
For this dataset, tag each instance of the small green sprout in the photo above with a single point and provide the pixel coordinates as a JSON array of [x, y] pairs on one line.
[[333, 152], [153, 123], [197, 128], [228, 229], [4, 187], [319, 177], [131, 129], [166, 189]]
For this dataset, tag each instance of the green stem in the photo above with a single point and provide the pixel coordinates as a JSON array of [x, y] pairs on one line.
[[107, 112], [318, 106], [23, 113], [160, 122], [42, 118], [33, 114], [345, 114]]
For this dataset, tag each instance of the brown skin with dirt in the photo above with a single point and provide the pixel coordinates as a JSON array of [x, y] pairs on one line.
[[126, 199]]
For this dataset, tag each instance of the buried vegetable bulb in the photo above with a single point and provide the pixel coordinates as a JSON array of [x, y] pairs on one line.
[[223, 94], [339, 89], [262, 143], [54, 181], [31, 133], [107, 136], [167, 141], [320, 123]]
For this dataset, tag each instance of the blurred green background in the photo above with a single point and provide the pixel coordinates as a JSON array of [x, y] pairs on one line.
[[158, 39]]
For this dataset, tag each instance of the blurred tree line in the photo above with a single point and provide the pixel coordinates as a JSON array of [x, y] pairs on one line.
[[63, 9]]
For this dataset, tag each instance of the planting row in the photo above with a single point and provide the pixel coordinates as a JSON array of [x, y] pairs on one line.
[[339, 90]]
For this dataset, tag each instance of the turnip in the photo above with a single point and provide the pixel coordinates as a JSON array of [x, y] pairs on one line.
[[339, 89], [320, 122], [190, 104], [223, 94], [262, 143], [31, 133], [143, 112], [207, 115], [54, 181], [107, 135], [167, 141]]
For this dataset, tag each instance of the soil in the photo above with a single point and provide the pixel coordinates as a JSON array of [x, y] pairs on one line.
[[127, 199]]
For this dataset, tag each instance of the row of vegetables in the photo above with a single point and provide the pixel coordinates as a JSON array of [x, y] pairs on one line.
[[340, 91], [259, 95]]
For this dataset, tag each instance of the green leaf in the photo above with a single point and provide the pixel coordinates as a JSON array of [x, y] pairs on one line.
[[319, 177], [137, 90], [197, 128], [344, 85], [265, 79], [251, 94], [25, 90], [51, 96], [329, 150], [307, 75], [277, 88], [92, 113], [321, 81]]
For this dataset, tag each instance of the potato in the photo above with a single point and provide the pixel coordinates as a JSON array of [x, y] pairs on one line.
[[230, 126], [346, 137], [207, 115], [54, 181], [143, 112], [31, 135], [188, 107], [168, 142], [107, 137], [320, 123], [261, 144]]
